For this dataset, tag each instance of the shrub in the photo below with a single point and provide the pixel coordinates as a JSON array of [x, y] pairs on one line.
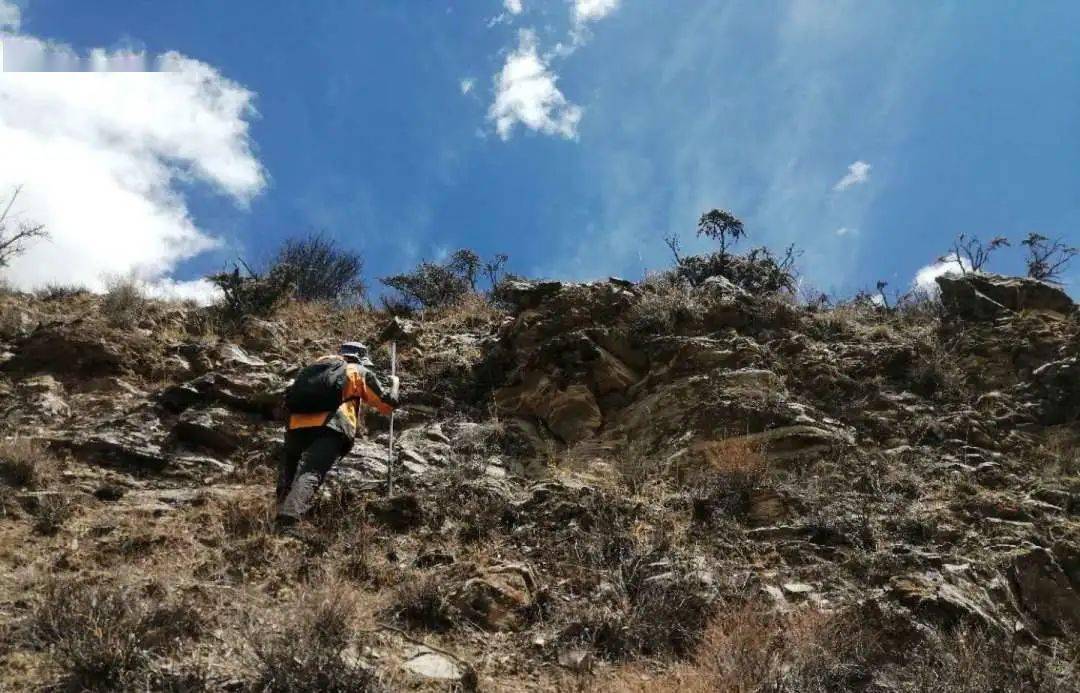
[[430, 285], [971, 660], [466, 264], [104, 635], [656, 615], [123, 304], [252, 294], [437, 285], [60, 292], [308, 651], [321, 270], [759, 271], [423, 603], [1046, 258], [51, 514]]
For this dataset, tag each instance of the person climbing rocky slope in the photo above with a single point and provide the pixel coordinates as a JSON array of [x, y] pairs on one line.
[[608, 485]]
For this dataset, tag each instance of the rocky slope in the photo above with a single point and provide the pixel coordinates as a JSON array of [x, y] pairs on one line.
[[610, 486]]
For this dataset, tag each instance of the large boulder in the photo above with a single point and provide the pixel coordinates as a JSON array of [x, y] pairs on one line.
[[943, 602], [1055, 387], [212, 428], [523, 294], [496, 598], [257, 392], [1045, 591], [45, 398], [571, 413], [987, 296], [68, 350]]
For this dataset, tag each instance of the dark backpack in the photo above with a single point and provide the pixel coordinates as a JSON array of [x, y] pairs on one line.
[[317, 388]]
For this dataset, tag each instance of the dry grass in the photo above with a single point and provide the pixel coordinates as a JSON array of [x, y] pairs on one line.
[[25, 463], [245, 517], [724, 486], [747, 650], [312, 649], [744, 650], [472, 311], [666, 303]]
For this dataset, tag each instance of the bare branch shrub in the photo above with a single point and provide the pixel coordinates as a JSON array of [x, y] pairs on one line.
[[16, 234], [970, 254], [1047, 258], [320, 269]]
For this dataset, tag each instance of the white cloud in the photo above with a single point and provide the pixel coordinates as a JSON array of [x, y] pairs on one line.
[[845, 231], [10, 16], [513, 6], [103, 158], [858, 173], [593, 10], [200, 291], [467, 85], [526, 93], [924, 278]]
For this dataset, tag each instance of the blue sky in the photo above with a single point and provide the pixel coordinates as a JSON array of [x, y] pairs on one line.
[[959, 116]]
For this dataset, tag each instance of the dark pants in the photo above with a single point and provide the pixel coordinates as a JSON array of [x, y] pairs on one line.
[[309, 455]]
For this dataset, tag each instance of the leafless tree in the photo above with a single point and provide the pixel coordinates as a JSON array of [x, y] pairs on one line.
[[973, 252], [15, 234], [1047, 257]]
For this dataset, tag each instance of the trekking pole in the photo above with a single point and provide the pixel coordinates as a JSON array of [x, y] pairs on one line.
[[390, 445]]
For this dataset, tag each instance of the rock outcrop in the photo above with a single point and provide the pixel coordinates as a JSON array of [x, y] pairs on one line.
[[981, 296], [592, 479]]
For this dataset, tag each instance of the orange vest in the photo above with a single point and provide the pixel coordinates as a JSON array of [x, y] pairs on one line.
[[355, 392]]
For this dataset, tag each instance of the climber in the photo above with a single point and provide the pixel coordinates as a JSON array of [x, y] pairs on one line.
[[324, 409]]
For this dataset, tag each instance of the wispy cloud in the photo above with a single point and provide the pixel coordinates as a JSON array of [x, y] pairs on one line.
[[526, 93], [467, 85], [10, 16], [525, 90], [760, 145], [858, 173], [845, 231], [130, 143]]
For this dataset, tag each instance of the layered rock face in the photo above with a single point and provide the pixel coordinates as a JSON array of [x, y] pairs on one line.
[[592, 477]]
